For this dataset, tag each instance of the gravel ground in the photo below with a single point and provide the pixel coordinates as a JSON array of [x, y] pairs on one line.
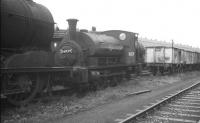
[[62, 106]]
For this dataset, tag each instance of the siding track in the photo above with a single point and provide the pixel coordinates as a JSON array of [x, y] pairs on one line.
[[181, 107]]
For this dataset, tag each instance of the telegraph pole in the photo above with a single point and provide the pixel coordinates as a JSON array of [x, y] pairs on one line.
[[172, 56], [172, 51]]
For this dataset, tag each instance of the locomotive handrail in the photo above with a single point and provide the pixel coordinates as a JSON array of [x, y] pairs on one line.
[[55, 69], [110, 66], [35, 69]]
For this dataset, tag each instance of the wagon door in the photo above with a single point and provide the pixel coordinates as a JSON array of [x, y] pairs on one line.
[[149, 58], [159, 55]]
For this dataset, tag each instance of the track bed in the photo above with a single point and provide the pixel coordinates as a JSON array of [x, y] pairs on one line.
[[102, 106], [184, 109], [181, 107]]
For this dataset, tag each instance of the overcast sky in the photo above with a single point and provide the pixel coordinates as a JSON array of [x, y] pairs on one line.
[[155, 19]]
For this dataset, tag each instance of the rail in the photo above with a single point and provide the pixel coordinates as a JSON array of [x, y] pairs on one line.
[[134, 117]]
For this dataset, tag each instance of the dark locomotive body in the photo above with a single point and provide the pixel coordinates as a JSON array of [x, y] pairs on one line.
[[97, 57], [83, 48], [25, 26], [26, 32]]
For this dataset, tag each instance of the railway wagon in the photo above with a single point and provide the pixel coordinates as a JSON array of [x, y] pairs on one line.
[[161, 59], [165, 57]]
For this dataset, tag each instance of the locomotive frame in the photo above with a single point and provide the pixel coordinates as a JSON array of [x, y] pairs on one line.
[[20, 86]]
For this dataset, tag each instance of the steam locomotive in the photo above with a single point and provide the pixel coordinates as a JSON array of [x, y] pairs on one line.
[[31, 63]]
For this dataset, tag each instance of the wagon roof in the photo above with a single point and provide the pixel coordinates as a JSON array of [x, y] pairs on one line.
[[155, 43]]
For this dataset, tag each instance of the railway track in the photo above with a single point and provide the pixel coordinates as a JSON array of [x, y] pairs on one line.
[[181, 107]]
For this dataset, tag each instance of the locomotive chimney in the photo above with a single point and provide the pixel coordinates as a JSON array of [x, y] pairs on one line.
[[94, 29], [72, 28]]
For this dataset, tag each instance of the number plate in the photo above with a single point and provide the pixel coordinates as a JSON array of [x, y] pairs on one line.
[[131, 53]]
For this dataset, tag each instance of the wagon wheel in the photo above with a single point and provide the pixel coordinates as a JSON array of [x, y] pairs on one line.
[[154, 71], [113, 81], [28, 87], [161, 71], [103, 82], [100, 83], [92, 85], [128, 76], [119, 78], [106, 82]]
